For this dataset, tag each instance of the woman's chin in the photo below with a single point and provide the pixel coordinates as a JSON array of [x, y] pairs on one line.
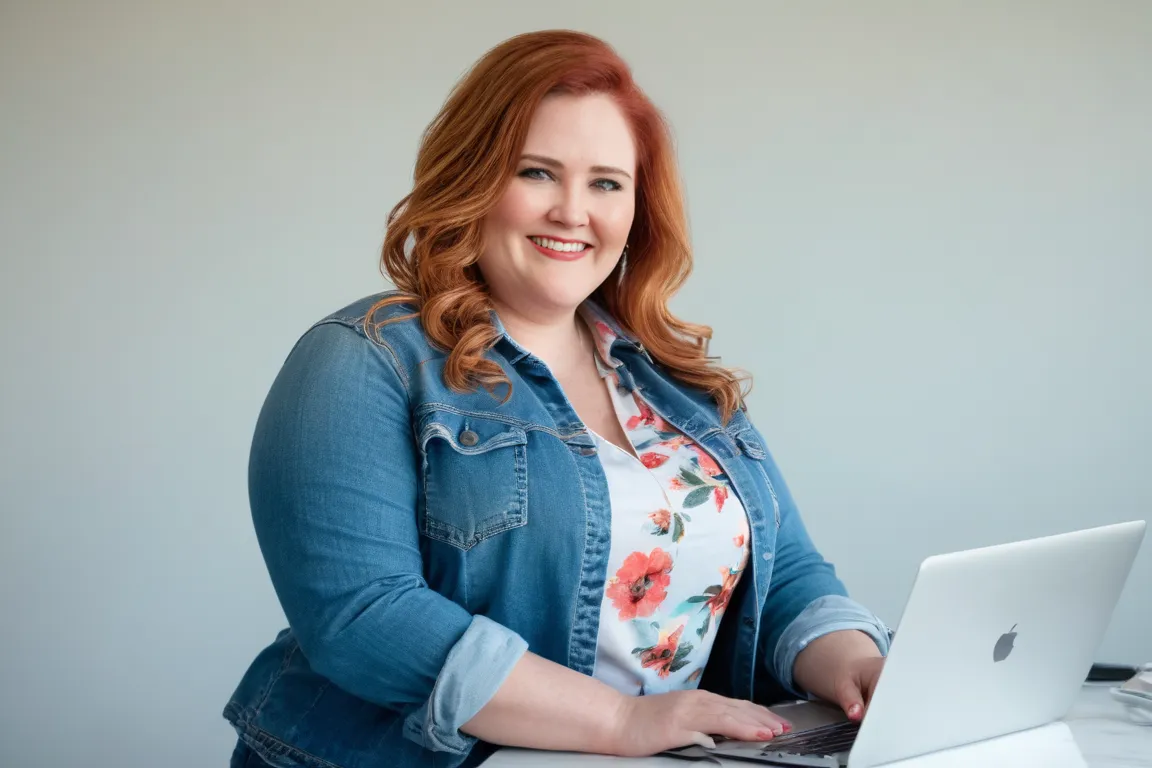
[[568, 297]]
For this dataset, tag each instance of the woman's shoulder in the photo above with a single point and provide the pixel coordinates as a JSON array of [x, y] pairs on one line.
[[384, 324], [375, 310], [388, 318]]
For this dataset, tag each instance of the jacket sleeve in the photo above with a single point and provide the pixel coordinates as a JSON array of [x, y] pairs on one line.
[[806, 599], [333, 479]]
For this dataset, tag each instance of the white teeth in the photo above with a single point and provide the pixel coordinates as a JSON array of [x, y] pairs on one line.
[[554, 245]]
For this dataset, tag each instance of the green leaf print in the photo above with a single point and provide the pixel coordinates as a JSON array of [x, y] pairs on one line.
[[680, 660], [690, 478], [697, 497], [652, 529], [704, 627], [689, 605], [677, 527]]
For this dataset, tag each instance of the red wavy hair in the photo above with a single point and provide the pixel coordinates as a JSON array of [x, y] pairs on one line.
[[468, 155]]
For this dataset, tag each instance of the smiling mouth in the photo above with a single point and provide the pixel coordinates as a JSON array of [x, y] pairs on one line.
[[560, 249]]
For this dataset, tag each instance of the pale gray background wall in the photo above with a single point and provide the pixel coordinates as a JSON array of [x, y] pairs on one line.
[[925, 227]]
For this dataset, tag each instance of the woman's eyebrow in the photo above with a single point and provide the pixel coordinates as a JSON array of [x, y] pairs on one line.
[[553, 163]]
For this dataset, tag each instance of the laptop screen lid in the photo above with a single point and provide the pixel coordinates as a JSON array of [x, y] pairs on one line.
[[995, 640]]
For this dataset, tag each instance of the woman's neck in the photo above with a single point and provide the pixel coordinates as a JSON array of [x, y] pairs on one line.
[[562, 339]]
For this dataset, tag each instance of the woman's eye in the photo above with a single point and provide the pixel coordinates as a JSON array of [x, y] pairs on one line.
[[535, 173], [541, 174]]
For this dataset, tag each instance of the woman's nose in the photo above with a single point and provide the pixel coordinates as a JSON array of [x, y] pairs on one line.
[[571, 208]]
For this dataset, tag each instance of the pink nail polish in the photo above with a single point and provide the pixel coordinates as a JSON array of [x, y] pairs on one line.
[[764, 735]]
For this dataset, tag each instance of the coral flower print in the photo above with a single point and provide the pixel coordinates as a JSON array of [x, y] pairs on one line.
[[662, 521], [640, 584], [661, 518], [707, 463], [718, 602], [666, 656], [646, 416], [720, 495], [653, 459]]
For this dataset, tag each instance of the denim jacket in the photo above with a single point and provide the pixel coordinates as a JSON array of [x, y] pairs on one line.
[[421, 539]]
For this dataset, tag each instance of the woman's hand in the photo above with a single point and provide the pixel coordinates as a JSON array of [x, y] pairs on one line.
[[840, 667], [646, 725], [855, 683]]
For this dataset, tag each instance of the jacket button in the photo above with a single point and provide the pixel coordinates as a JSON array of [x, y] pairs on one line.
[[748, 622], [468, 438]]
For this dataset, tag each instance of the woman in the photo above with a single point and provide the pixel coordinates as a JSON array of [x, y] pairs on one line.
[[514, 502]]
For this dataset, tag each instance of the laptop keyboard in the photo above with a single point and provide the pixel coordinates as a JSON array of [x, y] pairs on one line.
[[824, 741]]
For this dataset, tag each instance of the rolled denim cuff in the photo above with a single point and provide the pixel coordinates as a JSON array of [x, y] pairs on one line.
[[823, 616], [476, 667]]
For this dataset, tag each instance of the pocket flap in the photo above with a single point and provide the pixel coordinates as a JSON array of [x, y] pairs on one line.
[[469, 434], [741, 431], [474, 475]]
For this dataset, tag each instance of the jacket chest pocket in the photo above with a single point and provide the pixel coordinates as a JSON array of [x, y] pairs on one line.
[[749, 444], [474, 475]]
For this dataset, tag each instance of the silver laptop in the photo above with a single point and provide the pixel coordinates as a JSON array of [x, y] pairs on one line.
[[992, 641]]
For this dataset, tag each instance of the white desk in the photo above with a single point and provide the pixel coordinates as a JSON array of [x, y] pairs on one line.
[[1104, 735]]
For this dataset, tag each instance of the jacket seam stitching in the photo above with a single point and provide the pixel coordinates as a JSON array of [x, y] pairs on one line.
[[284, 663], [357, 324], [583, 549], [262, 735], [527, 426]]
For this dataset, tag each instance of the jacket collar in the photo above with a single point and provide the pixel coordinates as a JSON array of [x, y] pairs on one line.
[[605, 330]]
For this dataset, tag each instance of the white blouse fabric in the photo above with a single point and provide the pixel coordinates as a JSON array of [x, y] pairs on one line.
[[679, 544]]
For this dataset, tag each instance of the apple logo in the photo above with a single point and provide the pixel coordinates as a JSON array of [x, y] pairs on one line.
[[1004, 645]]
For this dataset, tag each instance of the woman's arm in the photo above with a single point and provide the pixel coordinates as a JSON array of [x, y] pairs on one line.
[[840, 667], [333, 477], [807, 601], [543, 705]]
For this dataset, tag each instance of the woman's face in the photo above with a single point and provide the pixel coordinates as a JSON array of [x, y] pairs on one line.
[[564, 219]]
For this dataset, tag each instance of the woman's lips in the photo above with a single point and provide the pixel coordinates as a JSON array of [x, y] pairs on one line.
[[561, 255]]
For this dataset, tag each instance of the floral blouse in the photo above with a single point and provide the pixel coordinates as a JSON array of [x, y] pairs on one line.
[[679, 545]]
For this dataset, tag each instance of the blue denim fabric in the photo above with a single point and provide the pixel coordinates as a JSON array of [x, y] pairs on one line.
[[244, 757], [416, 567]]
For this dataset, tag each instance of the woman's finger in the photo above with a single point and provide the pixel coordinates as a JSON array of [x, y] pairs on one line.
[[734, 724], [734, 719], [851, 700], [767, 717]]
